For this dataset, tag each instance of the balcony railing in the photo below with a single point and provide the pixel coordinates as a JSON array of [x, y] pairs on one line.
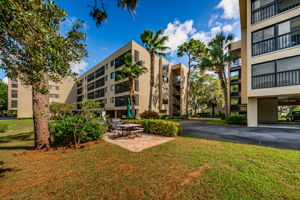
[[237, 63], [271, 9], [279, 79], [265, 46], [288, 40], [264, 12]]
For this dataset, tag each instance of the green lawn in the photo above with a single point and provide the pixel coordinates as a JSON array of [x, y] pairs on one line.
[[217, 122], [185, 168]]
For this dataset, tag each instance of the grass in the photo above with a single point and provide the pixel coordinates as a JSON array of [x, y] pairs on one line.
[[282, 118], [185, 168], [216, 122]]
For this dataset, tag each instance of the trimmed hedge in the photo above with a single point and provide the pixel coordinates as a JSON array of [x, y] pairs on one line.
[[159, 127], [149, 115], [237, 119]]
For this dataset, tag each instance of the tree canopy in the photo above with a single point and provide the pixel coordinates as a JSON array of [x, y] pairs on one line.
[[3, 95]]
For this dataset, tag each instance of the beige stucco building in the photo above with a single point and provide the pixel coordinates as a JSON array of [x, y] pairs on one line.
[[270, 57], [20, 97], [100, 84]]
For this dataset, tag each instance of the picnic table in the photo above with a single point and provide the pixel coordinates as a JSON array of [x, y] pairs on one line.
[[131, 129]]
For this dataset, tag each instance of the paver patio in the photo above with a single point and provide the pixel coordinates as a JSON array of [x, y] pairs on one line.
[[138, 144]]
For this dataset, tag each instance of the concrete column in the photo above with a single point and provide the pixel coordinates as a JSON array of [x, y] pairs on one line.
[[252, 112]]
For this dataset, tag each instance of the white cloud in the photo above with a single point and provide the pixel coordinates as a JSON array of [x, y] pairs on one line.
[[78, 67], [202, 35], [5, 80], [178, 34], [230, 9], [212, 20]]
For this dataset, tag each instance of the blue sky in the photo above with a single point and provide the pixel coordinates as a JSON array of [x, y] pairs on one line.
[[181, 20]]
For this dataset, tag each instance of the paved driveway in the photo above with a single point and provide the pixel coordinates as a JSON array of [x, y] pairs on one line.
[[272, 137]]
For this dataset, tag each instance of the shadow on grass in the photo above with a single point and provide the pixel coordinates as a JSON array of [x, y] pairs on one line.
[[20, 136], [16, 148], [4, 170]]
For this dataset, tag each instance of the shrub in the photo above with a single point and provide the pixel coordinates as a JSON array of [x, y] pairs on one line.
[[149, 115], [221, 116], [3, 127], [159, 127], [164, 116], [78, 128], [59, 109], [74, 129], [237, 119]]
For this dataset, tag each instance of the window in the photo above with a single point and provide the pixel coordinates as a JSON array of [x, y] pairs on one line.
[[112, 75], [235, 75], [165, 90], [136, 56], [136, 85], [106, 78], [14, 103], [121, 101], [79, 83], [100, 72], [112, 63], [14, 94], [90, 77], [112, 87], [91, 86], [166, 68], [119, 61], [14, 84], [53, 87], [268, 40], [80, 98], [122, 87], [235, 101], [284, 5], [55, 96], [100, 93], [165, 79], [100, 82], [289, 33], [112, 100], [235, 88], [165, 101], [278, 73], [91, 95], [79, 91]]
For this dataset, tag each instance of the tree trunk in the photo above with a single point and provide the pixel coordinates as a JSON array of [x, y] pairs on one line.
[[152, 61], [131, 90], [225, 92], [213, 111], [40, 105]]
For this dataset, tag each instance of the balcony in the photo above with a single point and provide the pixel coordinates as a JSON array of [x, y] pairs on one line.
[[234, 108], [236, 65], [271, 9], [235, 94], [279, 79]]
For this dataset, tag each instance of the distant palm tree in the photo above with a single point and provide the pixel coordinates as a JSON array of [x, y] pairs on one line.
[[155, 45], [217, 60], [132, 71]]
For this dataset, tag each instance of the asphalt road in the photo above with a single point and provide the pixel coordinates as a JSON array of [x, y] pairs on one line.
[[272, 137]]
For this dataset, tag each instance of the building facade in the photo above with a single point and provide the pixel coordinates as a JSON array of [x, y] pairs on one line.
[[20, 97], [270, 52], [100, 83]]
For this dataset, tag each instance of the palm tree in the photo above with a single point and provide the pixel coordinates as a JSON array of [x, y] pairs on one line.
[[217, 60], [155, 45], [194, 50], [132, 71]]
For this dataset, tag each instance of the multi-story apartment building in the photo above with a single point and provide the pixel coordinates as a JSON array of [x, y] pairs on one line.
[[237, 81], [20, 97], [270, 52], [100, 83]]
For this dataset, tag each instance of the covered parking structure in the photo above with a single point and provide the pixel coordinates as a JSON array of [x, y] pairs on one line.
[[277, 112]]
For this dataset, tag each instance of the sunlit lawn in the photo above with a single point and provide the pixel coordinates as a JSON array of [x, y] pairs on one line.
[[185, 168]]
